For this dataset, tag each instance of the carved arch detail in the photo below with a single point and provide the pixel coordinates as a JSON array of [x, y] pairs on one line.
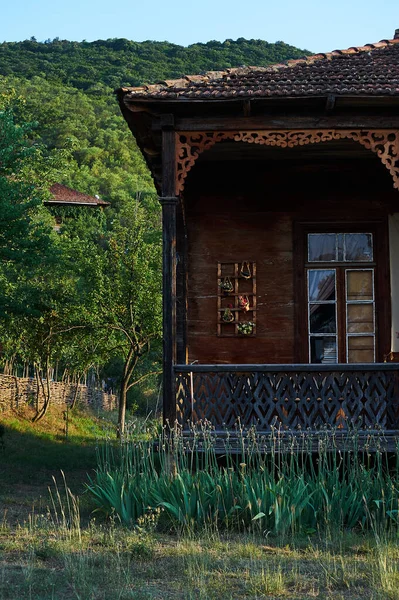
[[190, 145]]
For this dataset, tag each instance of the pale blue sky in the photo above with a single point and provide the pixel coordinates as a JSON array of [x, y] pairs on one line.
[[314, 25]]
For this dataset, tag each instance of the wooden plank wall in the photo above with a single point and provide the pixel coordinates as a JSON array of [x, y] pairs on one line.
[[245, 211]]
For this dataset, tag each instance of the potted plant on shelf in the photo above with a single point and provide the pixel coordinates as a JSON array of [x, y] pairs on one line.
[[226, 285], [228, 315], [246, 327], [243, 303]]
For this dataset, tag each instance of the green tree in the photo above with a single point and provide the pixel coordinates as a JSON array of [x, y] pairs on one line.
[[85, 346], [32, 297], [124, 292], [26, 236]]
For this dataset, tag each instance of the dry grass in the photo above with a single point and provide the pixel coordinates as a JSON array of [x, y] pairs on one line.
[[41, 561], [50, 548]]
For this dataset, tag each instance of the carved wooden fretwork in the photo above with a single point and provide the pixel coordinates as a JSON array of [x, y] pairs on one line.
[[291, 399], [384, 142]]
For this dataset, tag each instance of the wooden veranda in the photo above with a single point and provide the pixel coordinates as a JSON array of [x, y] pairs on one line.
[[279, 193]]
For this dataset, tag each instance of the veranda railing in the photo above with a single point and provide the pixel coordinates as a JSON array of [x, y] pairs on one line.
[[295, 397]]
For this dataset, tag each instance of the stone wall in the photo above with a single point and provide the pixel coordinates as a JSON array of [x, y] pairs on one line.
[[15, 392]]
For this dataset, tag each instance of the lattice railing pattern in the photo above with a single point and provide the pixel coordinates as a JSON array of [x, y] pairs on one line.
[[293, 398], [383, 142]]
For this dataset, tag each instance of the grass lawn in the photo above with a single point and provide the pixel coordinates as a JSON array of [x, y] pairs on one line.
[[52, 547], [34, 453]]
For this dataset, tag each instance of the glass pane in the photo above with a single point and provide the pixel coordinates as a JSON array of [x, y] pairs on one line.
[[340, 246], [358, 247], [361, 349], [360, 318], [359, 285], [323, 350], [322, 318], [321, 285], [322, 247]]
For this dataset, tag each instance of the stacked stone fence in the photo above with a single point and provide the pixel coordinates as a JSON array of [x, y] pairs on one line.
[[17, 392]]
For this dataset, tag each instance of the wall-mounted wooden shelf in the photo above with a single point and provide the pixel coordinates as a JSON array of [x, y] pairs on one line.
[[242, 286]]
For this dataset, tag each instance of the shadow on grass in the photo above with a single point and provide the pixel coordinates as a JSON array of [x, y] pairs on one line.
[[30, 458], [32, 454]]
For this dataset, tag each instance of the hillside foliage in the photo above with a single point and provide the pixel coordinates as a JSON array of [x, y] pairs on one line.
[[118, 62]]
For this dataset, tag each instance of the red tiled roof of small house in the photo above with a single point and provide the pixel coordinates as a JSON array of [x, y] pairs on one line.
[[63, 195], [370, 70]]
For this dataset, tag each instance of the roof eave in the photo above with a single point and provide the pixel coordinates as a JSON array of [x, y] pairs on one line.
[[182, 100], [66, 203]]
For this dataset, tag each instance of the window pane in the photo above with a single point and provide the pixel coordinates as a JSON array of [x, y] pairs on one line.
[[361, 349], [323, 350], [321, 285], [322, 247], [359, 285], [358, 247], [340, 246], [360, 318], [322, 318]]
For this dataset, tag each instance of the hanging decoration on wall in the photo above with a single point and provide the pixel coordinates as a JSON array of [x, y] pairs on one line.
[[228, 316], [245, 270], [226, 285], [236, 299], [243, 303]]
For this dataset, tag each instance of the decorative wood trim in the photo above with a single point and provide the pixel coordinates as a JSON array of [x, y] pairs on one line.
[[190, 145]]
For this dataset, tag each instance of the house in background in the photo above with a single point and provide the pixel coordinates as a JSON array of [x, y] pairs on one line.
[[279, 188], [65, 197]]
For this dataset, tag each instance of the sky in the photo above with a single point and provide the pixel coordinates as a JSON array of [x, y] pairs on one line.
[[318, 26]]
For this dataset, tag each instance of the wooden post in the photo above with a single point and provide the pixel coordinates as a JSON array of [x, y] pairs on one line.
[[181, 286], [169, 306], [169, 206]]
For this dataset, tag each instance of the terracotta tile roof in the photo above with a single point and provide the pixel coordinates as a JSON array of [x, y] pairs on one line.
[[61, 194], [371, 70]]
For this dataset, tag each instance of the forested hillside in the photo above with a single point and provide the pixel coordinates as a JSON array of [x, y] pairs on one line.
[[67, 87], [117, 62]]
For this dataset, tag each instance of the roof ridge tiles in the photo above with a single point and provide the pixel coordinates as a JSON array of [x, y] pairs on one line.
[[63, 194]]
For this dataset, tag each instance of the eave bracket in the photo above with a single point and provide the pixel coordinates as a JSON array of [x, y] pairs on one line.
[[190, 145]]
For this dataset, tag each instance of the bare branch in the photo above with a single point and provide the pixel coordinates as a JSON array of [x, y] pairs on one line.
[[143, 377]]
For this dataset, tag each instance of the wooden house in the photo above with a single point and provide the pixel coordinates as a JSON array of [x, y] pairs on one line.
[[63, 197], [279, 188]]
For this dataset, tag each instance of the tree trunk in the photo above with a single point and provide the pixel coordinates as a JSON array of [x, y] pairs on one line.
[[75, 396], [122, 408], [46, 394], [128, 368], [37, 369]]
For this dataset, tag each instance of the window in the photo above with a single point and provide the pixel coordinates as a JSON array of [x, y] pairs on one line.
[[341, 300], [322, 315], [340, 247], [342, 292]]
